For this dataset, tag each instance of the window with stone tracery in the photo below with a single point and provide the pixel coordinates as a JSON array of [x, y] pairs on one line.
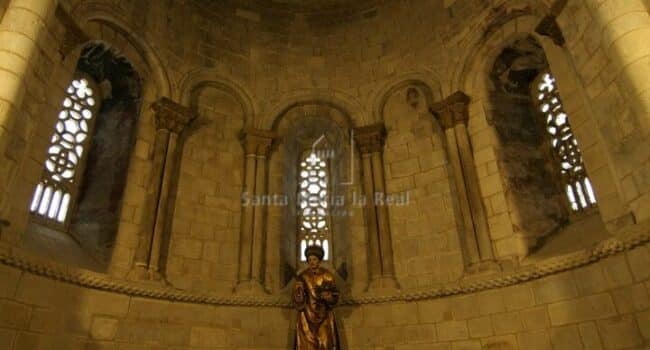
[[577, 186], [313, 211], [55, 192]]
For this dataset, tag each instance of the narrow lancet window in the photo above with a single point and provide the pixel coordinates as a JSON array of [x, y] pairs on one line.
[[313, 225], [579, 191], [57, 188]]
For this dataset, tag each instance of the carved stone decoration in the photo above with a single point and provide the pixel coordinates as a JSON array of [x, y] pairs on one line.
[[452, 110], [412, 97], [171, 115], [74, 35], [171, 119], [88, 279], [549, 27], [370, 138]]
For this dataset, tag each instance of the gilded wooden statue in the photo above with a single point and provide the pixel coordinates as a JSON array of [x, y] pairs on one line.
[[314, 296]]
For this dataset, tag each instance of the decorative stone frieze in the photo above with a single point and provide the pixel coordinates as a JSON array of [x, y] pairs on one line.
[[93, 280]]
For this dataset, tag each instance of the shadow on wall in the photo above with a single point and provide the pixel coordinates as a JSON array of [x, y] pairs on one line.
[[94, 223], [534, 192]]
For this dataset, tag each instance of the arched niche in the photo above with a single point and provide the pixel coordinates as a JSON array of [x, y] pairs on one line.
[[478, 78], [200, 247], [426, 229], [326, 127]]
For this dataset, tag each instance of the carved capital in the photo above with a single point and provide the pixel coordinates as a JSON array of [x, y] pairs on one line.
[[370, 138], [257, 141], [452, 110], [548, 27], [171, 115], [74, 35]]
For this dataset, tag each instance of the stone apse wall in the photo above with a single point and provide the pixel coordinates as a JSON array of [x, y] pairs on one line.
[[236, 68], [603, 305]]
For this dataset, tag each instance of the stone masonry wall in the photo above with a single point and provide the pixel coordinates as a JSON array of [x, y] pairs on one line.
[[604, 305], [424, 229], [274, 60], [203, 248]]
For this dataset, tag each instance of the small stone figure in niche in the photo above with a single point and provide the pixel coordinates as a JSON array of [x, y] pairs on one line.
[[314, 296], [412, 97]]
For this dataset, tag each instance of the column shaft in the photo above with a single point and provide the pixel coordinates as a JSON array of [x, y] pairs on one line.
[[253, 228], [170, 119], [161, 211], [469, 238], [21, 30], [473, 192], [385, 244], [161, 143], [259, 217], [246, 238], [374, 261], [625, 27]]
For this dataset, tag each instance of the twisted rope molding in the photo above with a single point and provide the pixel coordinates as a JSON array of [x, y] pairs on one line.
[[98, 281]]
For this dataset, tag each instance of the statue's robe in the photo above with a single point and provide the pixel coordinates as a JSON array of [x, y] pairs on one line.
[[316, 326]]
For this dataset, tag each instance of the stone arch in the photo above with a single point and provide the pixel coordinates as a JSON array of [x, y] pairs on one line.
[[481, 54], [427, 82], [270, 116], [136, 49], [200, 78], [101, 25], [473, 78], [298, 124]]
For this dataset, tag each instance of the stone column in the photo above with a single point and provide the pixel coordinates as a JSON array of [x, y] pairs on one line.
[[452, 114], [23, 26], [370, 141], [383, 222], [260, 212], [252, 237], [468, 239], [170, 118], [374, 259], [625, 27]]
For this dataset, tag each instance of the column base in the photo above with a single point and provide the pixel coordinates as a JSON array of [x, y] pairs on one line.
[[383, 285], [483, 267], [142, 273], [250, 287], [138, 273]]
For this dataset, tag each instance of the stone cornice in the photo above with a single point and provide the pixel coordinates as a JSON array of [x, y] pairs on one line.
[[15, 258], [370, 138], [171, 116], [452, 110]]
